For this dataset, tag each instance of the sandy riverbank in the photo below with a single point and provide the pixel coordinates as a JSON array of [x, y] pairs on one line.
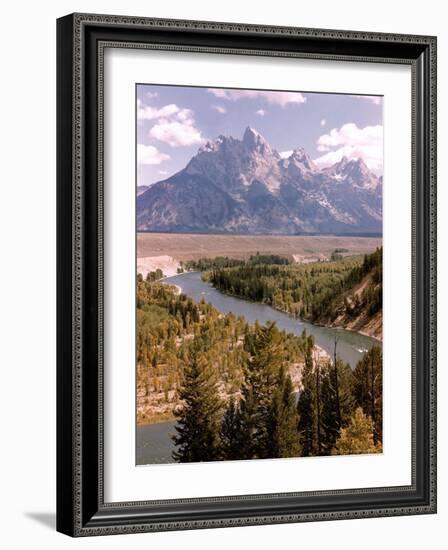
[[167, 264]]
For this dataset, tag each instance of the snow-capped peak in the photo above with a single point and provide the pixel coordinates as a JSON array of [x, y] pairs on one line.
[[355, 171]]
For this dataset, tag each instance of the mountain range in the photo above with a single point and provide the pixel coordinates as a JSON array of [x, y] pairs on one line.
[[246, 187]]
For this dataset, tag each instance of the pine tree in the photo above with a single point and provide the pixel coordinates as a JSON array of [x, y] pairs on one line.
[[283, 437], [199, 419], [231, 432], [336, 383], [318, 393], [261, 373], [329, 410], [336, 402], [346, 400], [247, 424], [368, 388], [357, 437], [306, 405]]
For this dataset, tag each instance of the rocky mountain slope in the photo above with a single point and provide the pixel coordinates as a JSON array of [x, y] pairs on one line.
[[245, 186], [359, 304]]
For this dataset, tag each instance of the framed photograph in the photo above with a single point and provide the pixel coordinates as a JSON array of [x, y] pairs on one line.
[[246, 274]]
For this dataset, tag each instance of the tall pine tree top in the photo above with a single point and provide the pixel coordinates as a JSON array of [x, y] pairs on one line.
[[199, 418]]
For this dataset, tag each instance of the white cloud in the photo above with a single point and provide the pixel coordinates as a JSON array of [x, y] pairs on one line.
[[174, 125], [323, 122], [286, 154], [151, 95], [275, 98], [260, 112], [222, 110], [350, 134], [163, 172], [176, 133], [146, 112], [148, 154], [352, 142]]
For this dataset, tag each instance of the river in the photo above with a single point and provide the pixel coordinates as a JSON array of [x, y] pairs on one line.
[[154, 443]]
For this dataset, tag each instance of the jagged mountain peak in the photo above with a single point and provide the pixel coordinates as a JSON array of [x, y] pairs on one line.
[[349, 164], [251, 133], [339, 165], [216, 144], [301, 157], [244, 186], [354, 171], [253, 140], [299, 152]]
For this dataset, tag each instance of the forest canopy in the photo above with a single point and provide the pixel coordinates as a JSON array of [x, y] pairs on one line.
[[316, 292]]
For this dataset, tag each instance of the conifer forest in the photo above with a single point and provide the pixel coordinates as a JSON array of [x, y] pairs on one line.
[[237, 390]]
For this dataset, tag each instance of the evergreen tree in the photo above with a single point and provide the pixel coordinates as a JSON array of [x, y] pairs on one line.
[[318, 393], [306, 405], [336, 402], [247, 424], [283, 437], [329, 410], [259, 384], [346, 400], [336, 383], [231, 432], [357, 437], [368, 388], [198, 420]]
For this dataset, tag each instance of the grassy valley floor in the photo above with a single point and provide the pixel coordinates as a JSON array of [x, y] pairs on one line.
[[301, 249]]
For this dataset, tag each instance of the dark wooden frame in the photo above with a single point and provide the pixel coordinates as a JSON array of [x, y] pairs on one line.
[[81, 510]]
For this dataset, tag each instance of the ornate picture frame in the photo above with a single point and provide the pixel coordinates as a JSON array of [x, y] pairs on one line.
[[81, 506]]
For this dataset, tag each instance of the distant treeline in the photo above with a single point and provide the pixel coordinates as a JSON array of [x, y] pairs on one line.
[[151, 276], [315, 291], [221, 262]]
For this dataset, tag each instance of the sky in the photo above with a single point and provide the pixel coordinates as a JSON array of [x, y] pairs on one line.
[[173, 122]]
